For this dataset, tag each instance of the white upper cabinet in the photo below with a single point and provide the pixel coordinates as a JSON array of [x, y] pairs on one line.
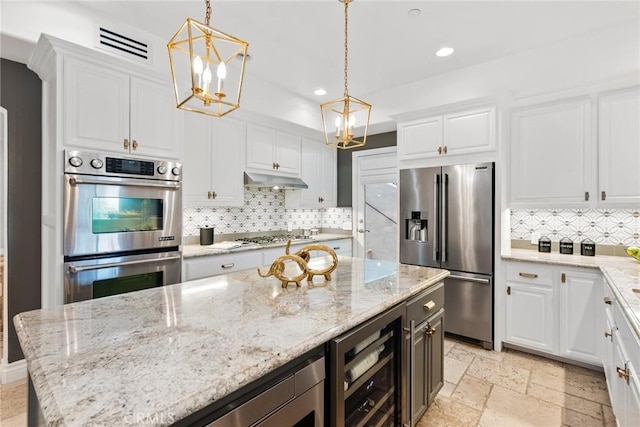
[[272, 151], [213, 161], [619, 148], [319, 172], [461, 132], [109, 110], [551, 155], [420, 138]]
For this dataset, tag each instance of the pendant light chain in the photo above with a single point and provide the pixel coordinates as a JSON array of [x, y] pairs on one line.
[[208, 14], [346, 46]]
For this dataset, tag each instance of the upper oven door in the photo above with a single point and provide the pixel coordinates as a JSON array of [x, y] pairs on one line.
[[111, 214]]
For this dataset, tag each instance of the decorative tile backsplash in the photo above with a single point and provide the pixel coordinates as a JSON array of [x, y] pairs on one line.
[[603, 226], [263, 210]]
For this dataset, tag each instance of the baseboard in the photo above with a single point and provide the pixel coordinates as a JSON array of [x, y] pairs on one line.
[[13, 372]]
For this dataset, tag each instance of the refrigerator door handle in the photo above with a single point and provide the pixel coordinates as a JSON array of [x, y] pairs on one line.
[[445, 202], [436, 210], [469, 279]]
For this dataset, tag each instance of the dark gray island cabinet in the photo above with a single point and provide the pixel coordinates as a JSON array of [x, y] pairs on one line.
[[211, 351]]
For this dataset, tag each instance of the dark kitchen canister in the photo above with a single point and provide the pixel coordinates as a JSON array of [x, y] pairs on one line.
[[566, 246], [544, 244], [588, 247], [206, 236]]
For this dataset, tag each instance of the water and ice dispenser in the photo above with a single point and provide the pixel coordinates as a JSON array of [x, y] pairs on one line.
[[416, 226]]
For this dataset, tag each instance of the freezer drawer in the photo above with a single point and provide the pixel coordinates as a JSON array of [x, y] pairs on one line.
[[468, 301]]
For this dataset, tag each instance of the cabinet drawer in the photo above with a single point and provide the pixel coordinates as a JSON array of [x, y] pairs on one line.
[[341, 246], [213, 265], [426, 303], [529, 273]]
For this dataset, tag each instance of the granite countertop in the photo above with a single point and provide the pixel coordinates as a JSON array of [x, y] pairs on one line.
[[192, 251], [168, 352], [621, 273]]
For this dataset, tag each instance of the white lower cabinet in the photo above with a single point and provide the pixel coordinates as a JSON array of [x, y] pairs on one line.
[[620, 359], [543, 299], [213, 265]]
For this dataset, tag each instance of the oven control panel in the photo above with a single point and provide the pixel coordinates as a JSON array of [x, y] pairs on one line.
[[107, 164]]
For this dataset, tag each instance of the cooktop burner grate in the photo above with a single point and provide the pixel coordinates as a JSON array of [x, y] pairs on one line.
[[278, 238]]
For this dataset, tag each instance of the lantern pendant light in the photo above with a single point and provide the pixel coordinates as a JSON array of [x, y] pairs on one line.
[[347, 111], [207, 67]]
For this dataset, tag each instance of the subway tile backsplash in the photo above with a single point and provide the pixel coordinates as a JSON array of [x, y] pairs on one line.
[[263, 210], [603, 226]]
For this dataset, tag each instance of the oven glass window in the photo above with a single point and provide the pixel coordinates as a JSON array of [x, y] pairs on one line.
[[125, 214], [121, 285]]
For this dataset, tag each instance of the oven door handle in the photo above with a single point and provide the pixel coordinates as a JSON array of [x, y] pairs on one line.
[[73, 269], [170, 186]]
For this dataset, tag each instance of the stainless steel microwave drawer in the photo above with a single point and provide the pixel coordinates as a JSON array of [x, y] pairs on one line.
[[426, 303]]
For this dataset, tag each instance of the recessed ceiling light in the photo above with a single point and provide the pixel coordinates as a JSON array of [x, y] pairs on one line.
[[444, 51], [414, 13], [320, 91]]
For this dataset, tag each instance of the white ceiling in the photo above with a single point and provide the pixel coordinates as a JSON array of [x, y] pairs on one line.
[[298, 45]]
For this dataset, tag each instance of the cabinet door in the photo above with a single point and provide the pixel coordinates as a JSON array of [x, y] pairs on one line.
[[261, 143], [578, 315], [530, 316], [470, 131], [420, 139], [197, 168], [156, 123], [619, 148], [435, 356], [420, 376], [328, 176], [311, 173], [227, 171], [552, 155], [288, 154], [96, 106]]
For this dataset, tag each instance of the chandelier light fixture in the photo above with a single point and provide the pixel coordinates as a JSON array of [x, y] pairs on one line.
[[207, 67], [340, 116]]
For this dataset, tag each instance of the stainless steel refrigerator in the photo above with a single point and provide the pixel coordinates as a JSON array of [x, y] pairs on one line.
[[447, 221]]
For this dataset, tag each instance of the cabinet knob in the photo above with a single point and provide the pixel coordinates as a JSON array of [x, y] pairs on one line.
[[126, 144], [586, 196], [273, 165], [439, 150], [603, 195], [623, 373], [135, 144], [213, 195], [444, 150], [607, 300], [277, 165], [320, 199], [429, 330]]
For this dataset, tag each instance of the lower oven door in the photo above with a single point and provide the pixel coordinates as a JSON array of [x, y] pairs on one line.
[[104, 215], [95, 278]]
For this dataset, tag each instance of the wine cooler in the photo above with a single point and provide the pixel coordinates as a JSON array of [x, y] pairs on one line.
[[365, 373]]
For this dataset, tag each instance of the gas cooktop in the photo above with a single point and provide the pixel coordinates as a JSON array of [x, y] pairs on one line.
[[278, 238]]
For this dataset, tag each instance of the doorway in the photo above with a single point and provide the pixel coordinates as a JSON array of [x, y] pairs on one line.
[[375, 202]]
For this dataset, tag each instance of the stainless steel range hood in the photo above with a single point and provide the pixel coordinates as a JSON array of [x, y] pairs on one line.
[[252, 179]]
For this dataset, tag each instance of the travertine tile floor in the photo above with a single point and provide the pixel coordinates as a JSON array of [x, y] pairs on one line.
[[482, 388]]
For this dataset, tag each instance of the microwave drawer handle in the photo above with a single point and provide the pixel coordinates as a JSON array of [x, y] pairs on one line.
[[469, 279], [74, 269], [171, 186]]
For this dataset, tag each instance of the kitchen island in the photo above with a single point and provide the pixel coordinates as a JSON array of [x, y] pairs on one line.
[[169, 352]]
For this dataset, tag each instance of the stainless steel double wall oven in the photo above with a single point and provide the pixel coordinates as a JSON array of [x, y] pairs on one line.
[[122, 224]]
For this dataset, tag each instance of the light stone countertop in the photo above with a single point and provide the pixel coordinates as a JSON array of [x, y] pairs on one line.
[[168, 352], [621, 273], [192, 251]]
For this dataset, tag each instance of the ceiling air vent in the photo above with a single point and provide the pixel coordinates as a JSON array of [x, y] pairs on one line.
[[123, 45]]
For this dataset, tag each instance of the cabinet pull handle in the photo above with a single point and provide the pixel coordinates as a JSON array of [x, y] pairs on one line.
[[563, 278], [277, 165], [607, 300], [213, 195], [273, 165], [508, 290], [444, 150], [320, 199], [586, 196], [623, 373], [336, 248], [428, 306], [135, 144], [126, 144], [528, 275], [429, 330], [439, 150], [230, 265], [603, 195], [608, 335], [208, 194]]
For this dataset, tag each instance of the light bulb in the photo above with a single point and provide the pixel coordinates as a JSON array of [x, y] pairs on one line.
[[197, 68], [206, 79], [222, 70], [338, 123]]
